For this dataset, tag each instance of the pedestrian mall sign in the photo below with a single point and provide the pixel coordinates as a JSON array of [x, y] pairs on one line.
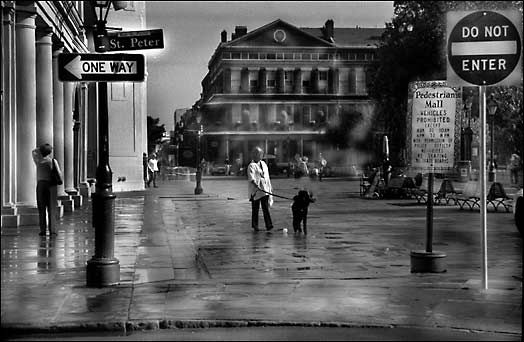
[[100, 67], [432, 107], [484, 48]]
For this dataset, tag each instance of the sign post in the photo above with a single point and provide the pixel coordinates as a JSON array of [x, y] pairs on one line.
[[103, 269], [484, 48], [433, 107]]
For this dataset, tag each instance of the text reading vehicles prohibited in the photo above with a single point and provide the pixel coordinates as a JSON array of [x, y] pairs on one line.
[[484, 47], [100, 67], [136, 40]]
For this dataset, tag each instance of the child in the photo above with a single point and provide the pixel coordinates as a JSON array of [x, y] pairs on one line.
[[299, 208]]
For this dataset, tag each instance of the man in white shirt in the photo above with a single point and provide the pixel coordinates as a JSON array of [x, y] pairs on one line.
[[259, 189]]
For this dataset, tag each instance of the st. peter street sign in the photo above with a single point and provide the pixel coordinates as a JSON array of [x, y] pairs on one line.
[[136, 40], [100, 67]]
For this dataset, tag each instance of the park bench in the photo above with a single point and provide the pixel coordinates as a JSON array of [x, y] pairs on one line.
[[444, 195], [400, 187], [371, 186], [496, 196]]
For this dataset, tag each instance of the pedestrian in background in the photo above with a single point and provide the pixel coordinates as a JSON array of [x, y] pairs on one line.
[[259, 189], [514, 164], [152, 165], [386, 170], [144, 169], [46, 197]]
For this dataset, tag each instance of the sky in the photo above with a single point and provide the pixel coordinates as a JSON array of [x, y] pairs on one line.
[[192, 33]]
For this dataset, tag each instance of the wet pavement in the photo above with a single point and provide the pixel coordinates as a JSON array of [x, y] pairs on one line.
[[193, 261]]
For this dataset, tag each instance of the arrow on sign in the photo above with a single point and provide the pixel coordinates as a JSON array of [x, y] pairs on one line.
[[78, 67], [74, 67]]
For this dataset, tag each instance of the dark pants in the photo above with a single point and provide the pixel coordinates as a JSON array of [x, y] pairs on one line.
[[152, 178], [46, 203], [255, 205]]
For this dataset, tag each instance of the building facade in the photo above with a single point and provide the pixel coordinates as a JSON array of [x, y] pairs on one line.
[[280, 86], [36, 107]]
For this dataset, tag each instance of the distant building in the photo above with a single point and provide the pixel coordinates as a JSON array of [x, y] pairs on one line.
[[279, 86]]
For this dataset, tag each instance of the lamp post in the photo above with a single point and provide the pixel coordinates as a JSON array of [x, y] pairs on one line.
[[198, 188], [492, 109], [103, 269]]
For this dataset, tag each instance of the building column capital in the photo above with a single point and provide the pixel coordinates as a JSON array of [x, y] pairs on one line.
[[57, 49], [44, 35]]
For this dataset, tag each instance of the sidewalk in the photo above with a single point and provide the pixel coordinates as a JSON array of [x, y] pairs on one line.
[[194, 261]]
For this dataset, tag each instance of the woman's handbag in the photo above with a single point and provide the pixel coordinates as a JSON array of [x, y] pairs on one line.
[[56, 179]]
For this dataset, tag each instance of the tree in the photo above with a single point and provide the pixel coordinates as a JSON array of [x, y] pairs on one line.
[[155, 133], [413, 48], [340, 131]]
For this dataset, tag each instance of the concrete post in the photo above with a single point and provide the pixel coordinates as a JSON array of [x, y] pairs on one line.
[[58, 118], [44, 88], [68, 139], [26, 107]]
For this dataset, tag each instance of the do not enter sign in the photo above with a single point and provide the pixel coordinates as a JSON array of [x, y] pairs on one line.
[[484, 48]]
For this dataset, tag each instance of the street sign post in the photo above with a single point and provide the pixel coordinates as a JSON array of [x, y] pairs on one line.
[[100, 67], [136, 40], [484, 48]]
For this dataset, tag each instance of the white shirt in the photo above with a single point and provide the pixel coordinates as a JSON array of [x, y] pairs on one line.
[[259, 173], [153, 165]]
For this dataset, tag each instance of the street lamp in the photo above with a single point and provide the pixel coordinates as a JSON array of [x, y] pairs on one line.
[[198, 188], [492, 109], [103, 269]]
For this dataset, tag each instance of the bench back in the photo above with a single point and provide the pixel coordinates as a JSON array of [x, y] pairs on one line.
[[471, 189], [496, 191]]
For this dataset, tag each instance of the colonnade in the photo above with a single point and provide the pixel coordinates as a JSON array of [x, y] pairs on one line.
[[37, 108]]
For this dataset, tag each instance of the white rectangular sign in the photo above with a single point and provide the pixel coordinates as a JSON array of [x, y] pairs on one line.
[[433, 128]]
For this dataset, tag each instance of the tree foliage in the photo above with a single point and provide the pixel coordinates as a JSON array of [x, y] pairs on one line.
[[154, 132], [339, 132], [413, 48]]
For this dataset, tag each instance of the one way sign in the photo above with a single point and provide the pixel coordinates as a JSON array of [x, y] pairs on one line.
[[100, 67]]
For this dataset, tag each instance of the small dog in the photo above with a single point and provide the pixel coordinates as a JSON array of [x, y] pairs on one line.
[[299, 209]]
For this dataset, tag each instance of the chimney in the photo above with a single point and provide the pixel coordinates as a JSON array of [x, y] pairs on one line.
[[223, 36], [329, 30], [240, 31]]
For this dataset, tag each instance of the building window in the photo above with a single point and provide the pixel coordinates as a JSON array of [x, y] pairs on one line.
[[305, 86], [298, 56], [306, 56], [323, 75], [314, 56], [352, 56], [262, 56], [253, 55], [226, 55], [280, 56], [245, 55], [253, 86], [360, 56], [288, 56], [323, 56], [271, 56], [271, 83], [235, 55]]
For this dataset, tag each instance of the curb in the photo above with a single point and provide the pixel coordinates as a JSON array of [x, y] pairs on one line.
[[143, 325]]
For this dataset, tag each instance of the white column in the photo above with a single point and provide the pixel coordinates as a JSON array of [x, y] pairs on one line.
[[68, 138], [58, 117], [44, 88], [8, 145], [26, 107]]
